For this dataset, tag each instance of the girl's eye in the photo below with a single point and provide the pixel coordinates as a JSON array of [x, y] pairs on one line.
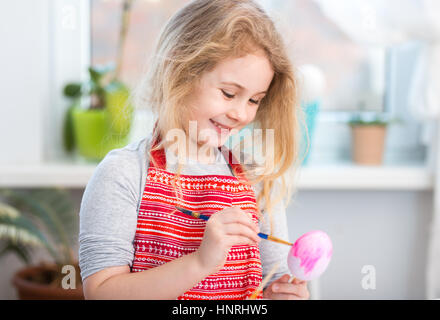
[[228, 95], [231, 96]]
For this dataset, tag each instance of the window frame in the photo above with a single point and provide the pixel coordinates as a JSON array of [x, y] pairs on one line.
[[70, 49], [325, 117]]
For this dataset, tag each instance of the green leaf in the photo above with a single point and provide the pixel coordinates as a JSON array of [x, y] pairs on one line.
[[20, 250], [68, 131], [95, 75], [21, 230], [8, 211], [72, 90], [99, 71], [44, 205], [368, 123]]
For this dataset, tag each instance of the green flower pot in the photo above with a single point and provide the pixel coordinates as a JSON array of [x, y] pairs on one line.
[[93, 135]]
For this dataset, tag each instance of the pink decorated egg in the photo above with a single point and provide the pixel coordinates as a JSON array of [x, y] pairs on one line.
[[310, 255]]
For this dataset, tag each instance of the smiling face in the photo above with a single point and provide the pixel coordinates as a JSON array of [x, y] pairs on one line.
[[218, 103]]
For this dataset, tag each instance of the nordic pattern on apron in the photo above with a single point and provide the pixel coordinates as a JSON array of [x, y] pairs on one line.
[[164, 234]]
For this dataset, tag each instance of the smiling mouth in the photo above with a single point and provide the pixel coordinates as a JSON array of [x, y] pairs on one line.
[[219, 126]]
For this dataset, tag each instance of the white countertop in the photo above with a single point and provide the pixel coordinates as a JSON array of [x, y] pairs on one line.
[[347, 176]]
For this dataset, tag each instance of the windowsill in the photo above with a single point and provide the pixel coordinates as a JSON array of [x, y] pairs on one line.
[[341, 176], [350, 176]]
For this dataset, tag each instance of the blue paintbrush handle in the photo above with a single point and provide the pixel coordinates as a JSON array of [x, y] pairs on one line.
[[204, 217]]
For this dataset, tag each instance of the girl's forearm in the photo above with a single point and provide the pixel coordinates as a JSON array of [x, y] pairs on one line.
[[165, 282]]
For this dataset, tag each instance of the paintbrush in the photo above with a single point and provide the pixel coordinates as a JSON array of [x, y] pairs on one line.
[[261, 235], [264, 282]]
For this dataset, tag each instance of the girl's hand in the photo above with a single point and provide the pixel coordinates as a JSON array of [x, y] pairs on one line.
[[281, 289], [224, 229]]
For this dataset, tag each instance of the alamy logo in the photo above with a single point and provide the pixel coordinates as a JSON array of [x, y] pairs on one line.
[[252, 143], [368, 281], [69, 280], [69, 17]]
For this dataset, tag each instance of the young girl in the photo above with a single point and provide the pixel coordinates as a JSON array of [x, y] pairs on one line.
[[220, 66]]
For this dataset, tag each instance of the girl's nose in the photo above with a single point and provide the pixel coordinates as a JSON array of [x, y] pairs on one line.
[[238, 112]]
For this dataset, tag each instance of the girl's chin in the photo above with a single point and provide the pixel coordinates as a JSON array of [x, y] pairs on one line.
[[214, 143], [213, 138]]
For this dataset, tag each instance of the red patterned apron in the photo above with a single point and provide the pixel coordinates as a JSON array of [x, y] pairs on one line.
[[164, 234]]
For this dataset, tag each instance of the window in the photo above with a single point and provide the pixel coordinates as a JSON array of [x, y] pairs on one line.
[[355, 74], [311, 39], [359, 77], [147, 17]]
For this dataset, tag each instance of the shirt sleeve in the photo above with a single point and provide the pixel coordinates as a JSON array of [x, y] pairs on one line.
[[108, 213], [272, 252]]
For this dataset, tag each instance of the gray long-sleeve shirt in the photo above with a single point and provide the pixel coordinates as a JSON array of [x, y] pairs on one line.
[[110, 203]]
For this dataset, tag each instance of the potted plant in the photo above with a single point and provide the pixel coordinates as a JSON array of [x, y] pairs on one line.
[[368, 137], [41, 218], [104, 124]]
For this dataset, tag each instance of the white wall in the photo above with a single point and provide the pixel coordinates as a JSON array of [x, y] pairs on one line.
[[385, 229], [381, 228], [24, 65], [45, 44]]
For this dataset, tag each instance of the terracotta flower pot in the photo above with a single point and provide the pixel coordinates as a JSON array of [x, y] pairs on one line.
[[32, 290], [368, 143]]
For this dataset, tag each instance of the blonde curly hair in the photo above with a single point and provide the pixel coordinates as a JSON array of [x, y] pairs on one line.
[[193, 41]]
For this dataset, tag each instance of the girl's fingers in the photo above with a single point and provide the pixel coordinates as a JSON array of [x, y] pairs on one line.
[[284, 278], [241, 230], [236, 240], [285, 296], [242, 217], [297, 281], [289, 288]]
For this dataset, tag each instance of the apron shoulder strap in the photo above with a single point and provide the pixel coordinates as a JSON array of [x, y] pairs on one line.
[[231, 160], [157, 157]]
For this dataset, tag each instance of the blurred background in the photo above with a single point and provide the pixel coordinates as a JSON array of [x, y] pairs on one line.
[[369, 78]]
